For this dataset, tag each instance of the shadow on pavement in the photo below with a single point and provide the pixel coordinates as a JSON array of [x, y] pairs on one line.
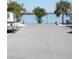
[[70, 32], [70, 27], [8, 31]]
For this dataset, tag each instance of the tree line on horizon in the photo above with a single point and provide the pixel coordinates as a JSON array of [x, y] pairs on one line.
[[62, 8]]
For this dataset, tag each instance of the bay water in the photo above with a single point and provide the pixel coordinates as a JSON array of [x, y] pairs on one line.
[[48, 19]]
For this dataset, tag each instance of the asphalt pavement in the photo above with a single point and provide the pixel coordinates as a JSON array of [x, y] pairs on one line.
[[41, 41]]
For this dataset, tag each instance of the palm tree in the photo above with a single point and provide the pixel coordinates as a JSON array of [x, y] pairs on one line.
[[39, 12], [62, 8]]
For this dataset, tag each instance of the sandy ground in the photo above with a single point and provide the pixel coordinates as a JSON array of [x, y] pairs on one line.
[[40, 42]]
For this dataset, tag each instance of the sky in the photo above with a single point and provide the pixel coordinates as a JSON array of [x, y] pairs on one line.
[[49, 5]]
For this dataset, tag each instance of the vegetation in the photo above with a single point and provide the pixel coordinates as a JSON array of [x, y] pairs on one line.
[[16, 8], [62, 8], [39, 12]]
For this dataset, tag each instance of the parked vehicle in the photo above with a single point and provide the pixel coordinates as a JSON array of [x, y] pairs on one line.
[[11, 21]]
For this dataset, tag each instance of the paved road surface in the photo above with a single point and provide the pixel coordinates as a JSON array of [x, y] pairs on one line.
[[40, 42]]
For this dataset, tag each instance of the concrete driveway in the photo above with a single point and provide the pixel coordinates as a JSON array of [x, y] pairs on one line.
[[40, 42]]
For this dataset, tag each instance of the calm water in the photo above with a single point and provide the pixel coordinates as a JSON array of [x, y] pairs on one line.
[[31, 19]]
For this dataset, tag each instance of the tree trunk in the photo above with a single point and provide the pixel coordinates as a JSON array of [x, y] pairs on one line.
[[39, 20], [71, 19], [62, 18]]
